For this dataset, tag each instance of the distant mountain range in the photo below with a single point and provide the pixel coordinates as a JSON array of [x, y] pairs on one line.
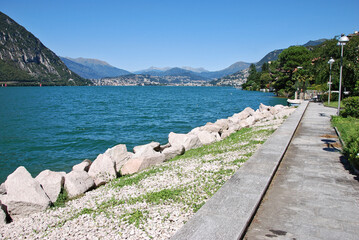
[[194, 73], [92, 68], [25, 61]]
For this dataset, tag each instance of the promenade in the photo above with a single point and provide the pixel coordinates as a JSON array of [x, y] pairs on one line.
[[296, 186], [313, 195]]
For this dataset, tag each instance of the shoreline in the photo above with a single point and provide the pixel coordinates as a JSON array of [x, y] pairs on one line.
[[84, 214]]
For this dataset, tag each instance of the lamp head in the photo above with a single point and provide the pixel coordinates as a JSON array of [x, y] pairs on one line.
[[343, 40], [331, 61]]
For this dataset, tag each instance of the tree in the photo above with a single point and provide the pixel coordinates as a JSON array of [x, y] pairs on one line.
[[289, 61]]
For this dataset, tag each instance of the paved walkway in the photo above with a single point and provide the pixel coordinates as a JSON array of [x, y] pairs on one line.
[[312, 195]]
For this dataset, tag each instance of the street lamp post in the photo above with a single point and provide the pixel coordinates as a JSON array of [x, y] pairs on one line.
[[330, 62], [342, 41]]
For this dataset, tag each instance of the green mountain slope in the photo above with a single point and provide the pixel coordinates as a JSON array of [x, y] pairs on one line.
[[24, 60]]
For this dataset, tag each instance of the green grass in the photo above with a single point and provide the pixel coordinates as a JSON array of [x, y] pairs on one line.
[[61, 199], [134, 179], [135, 217], [349, 131], [348, 127], [333, 104]]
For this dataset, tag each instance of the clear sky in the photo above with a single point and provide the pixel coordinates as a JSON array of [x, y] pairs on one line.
[[137, 34]]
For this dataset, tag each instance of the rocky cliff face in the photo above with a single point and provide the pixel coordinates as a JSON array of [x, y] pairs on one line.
[[24, 60]]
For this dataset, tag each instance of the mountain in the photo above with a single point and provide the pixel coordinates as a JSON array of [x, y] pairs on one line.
[[24, 60], [315, 42], [92, 68], [273, 55], [195, 73], [196, 70], [152, 69], [235, 67]]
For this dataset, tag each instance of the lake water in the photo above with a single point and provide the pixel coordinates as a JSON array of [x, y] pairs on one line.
[[57, 127]]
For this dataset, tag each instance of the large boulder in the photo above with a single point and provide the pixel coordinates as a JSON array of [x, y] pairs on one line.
[[249, 121], [208, 137], [2, 215], [211, 127], [188, 141], [119, 155], [24, 194], [147, 149], [2, 189], [227, 133], [51, 182], [163, 147], [83, 166], [173, 151], [264, 108], [155, 146], [223, 123], [77, 183], [236, 118], [138, 163], [258, 115], [102, 170]]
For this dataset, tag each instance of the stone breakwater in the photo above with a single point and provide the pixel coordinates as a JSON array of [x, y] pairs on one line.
[[21, 195]]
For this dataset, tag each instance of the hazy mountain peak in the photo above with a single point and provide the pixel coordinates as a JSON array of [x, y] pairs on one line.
[[88, 61], [158, 68], [92, 68], [196, 70]]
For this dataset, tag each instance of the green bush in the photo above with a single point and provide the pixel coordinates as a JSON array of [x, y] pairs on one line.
[[351, 150], [351, 107]]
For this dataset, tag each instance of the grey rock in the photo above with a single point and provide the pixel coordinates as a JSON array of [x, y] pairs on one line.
[[223, 123], [83, 166], [24, 194], [147, 149], [236, 118], [188, 141], [51, 182], [77, 183], [227, 133], [264, 108], [250, 121], [173, 151], [163, 147], [119, 155], [139, 163], [211, 127], [102, 170], [208, 137], [2, 189], [2, 215]]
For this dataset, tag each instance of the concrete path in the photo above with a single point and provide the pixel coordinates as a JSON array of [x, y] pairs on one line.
[[312, 195], [226, 215]]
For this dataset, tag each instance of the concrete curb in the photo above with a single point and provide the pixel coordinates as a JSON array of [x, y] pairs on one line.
[[228, 213]]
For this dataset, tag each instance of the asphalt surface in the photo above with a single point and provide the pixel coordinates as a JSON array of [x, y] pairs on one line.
[[313, 194]]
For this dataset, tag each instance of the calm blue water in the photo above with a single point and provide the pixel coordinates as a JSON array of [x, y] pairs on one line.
[[57, 127]]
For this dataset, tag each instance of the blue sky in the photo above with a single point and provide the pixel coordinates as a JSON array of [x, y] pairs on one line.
[[137, 34]]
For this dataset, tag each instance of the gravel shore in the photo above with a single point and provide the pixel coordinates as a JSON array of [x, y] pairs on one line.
[[152, 204]]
